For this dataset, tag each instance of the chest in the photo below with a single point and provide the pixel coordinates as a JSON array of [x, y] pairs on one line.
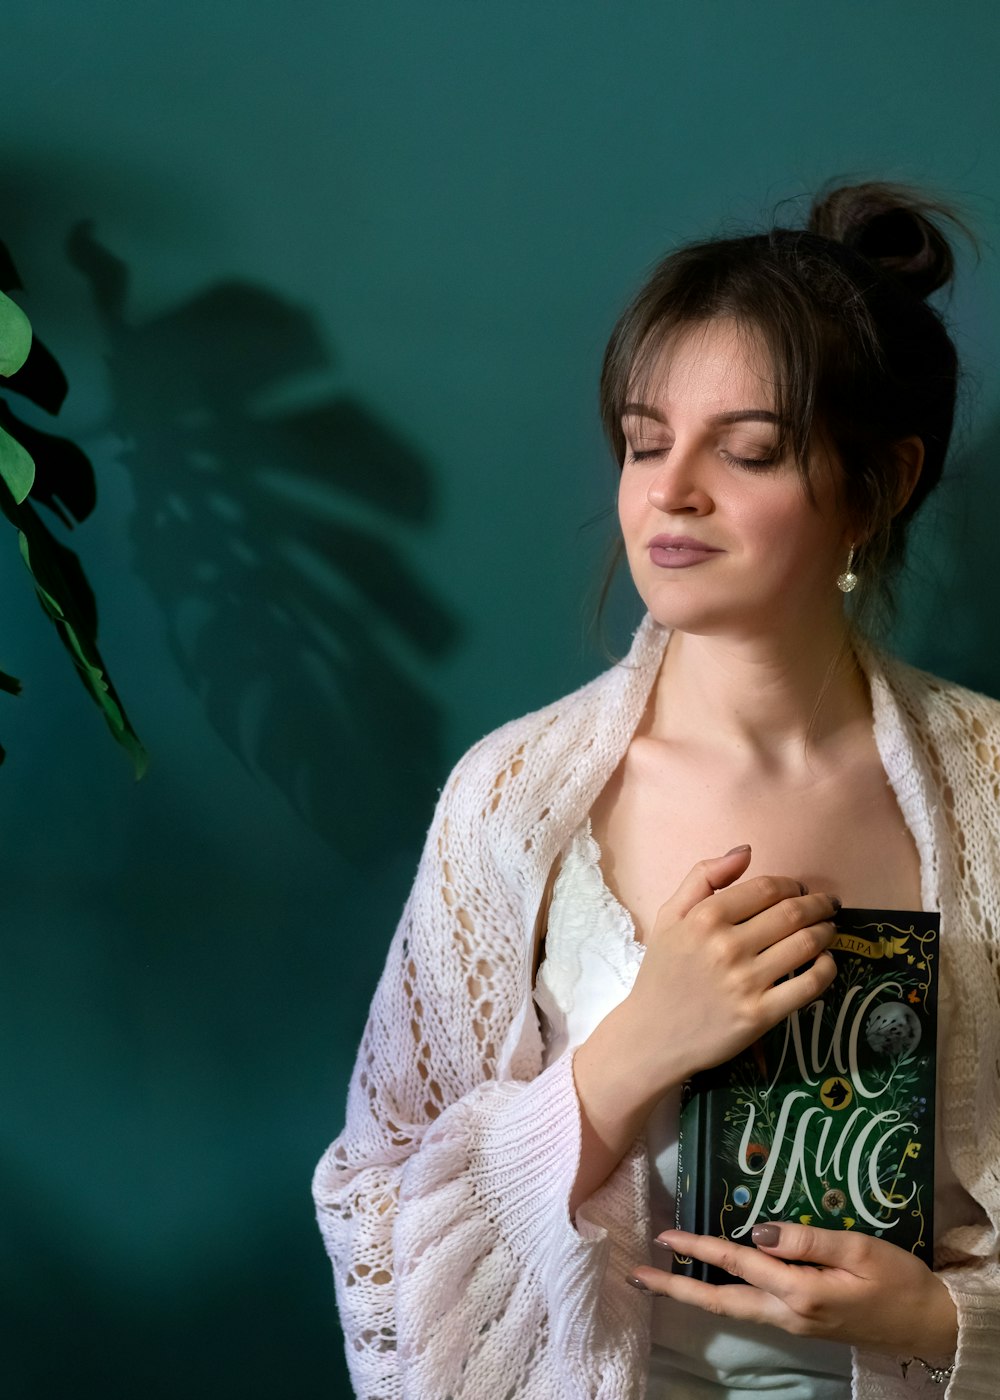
[[841, 832]]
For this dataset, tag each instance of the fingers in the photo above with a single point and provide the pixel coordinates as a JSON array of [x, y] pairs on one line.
[[703, 880], [772, 1282], [772, 906], [780, 1286], [795, 907], [816, 1283], [731, 1300], [807, 1244], [771, 912], [754, 1266], [789, 933], [783, 998], [774, 1243], [798, 948]]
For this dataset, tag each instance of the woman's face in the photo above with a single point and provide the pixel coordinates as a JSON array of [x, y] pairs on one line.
[[721, 535]]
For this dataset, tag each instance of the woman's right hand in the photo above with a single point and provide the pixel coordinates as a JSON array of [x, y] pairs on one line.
[[710, 981], [706, 988]]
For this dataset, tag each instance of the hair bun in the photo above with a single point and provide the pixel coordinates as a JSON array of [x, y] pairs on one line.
[[890, 225]]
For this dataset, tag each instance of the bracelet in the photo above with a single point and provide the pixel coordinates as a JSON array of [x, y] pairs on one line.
[[937, 1374]]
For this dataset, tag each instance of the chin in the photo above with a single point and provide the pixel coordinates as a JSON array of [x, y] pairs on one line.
[[754, 613], [699, 622]]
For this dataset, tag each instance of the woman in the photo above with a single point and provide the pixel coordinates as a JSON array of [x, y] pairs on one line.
[[780, 405]]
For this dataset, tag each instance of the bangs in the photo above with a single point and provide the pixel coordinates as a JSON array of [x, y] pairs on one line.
[[757, 284]]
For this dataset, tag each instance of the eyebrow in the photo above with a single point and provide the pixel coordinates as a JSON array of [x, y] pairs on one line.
[[736, 415]]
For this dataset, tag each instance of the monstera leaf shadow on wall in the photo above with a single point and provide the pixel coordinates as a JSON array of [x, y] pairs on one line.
[[270, 523], [38, 467]]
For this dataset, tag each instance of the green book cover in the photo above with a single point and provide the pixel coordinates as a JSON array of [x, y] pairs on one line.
[[829, 1117]]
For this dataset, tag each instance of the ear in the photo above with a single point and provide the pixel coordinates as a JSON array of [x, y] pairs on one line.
[[909, 454]]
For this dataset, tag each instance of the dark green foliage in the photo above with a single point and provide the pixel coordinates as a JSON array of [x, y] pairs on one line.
[[41, 468]]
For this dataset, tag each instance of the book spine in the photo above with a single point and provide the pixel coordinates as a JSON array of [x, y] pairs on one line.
[[710, 1194], [690, 1168]]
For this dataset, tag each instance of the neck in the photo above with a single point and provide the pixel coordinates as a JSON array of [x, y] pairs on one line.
[[771, 700]]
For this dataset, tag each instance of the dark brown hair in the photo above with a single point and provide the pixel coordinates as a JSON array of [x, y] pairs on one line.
[[856, 351]]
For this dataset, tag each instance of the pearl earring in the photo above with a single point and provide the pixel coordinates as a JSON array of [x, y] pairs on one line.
[[847, 582]]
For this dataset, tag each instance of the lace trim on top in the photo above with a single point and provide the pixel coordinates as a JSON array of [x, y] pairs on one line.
[[587, 925]]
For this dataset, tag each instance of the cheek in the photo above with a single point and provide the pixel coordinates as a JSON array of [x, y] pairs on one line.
[[629, 506], [785, 523]]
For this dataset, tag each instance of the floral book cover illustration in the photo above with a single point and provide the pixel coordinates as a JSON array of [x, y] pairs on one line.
[[829, 1118]]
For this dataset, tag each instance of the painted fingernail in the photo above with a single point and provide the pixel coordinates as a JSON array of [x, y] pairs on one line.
[[803, 889], [767, 1235], [663, 1244], [638, 1283], [737, 848], [837, 905]]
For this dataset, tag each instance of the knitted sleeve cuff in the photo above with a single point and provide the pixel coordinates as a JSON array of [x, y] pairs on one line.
[[486, 1251], [976, 1293], [977, 1362]]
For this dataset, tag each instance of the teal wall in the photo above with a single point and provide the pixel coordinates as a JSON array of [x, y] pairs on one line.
[[331, 285]]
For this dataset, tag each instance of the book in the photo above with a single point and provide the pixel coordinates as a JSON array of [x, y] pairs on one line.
[[827, 1119]]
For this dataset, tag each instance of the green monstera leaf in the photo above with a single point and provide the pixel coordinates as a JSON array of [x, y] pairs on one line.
[[15, 336], [64, 595], [16, 466], [64, 482]]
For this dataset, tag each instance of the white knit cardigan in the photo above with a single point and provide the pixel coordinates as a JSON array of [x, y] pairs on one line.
[[444, 1202]]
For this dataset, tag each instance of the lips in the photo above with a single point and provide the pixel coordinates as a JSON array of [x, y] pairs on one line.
[[679, 551]]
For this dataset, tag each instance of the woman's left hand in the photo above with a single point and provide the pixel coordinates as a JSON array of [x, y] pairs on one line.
[[841, 1286]]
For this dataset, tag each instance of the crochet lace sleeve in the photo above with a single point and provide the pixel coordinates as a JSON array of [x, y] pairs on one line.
[[444, 1202]]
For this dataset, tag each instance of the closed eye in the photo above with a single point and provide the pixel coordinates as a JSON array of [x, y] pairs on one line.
[[751, 463]]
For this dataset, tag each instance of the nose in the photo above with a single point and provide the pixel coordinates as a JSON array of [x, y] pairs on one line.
[[680, 484]]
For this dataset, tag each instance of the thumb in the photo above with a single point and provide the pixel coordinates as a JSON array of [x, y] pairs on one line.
[[704, 879]]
